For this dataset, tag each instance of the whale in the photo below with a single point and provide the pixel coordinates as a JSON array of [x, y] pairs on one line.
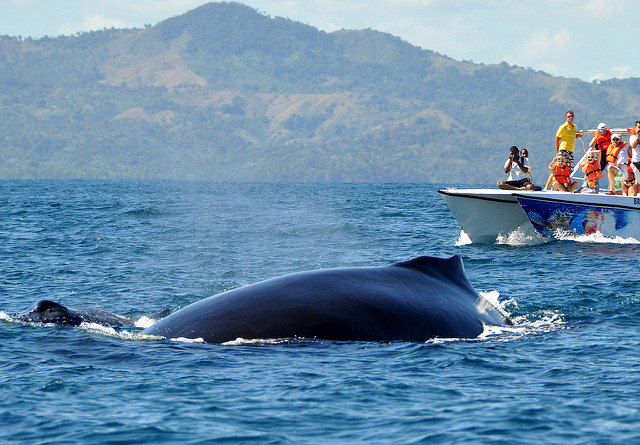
[[413, 301], [46, 311]]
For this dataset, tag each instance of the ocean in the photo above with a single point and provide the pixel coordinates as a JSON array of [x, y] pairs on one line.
[[566, 372]]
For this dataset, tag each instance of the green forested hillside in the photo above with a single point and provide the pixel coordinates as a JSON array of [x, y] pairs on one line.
[[225, 93]]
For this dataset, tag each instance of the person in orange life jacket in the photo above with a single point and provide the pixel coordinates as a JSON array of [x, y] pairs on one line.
[[517, 167], [617, 160], [634, 144], [561, 175], [601, 140], [592, 173]]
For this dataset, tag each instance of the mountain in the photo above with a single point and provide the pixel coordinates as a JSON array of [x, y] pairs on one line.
[[225, 93]]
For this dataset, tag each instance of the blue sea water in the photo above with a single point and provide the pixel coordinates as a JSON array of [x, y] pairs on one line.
[[567, 372]]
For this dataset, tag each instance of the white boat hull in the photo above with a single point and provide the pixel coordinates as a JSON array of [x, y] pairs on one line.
[[485, 214]]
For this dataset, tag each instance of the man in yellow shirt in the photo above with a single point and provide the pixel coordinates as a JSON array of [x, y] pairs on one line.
[[566, 139]]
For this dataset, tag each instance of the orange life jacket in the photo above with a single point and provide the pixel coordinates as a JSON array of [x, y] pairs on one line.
[[632, 130], [612, 152], [602, 139], [562, 174], [592, 170]]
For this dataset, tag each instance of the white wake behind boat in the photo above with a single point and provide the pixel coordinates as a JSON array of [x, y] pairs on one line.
[[485, 214]]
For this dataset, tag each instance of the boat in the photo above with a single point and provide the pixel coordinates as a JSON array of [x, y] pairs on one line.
[[577, 213], [486, 214]]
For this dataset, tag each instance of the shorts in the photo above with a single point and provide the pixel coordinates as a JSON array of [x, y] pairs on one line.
[[592, 184], [622, 170], [568, 157], [629, 180], [519, 183]]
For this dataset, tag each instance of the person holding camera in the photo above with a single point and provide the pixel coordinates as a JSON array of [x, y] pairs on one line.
[[517, 168], [601, 140]]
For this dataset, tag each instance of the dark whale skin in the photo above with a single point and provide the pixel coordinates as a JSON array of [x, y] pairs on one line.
[[412, 301]]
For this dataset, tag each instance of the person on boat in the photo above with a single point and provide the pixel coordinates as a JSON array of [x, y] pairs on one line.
[[592, 173], [566, 138], [565, 142], [634, 145], [617, 160], [629, 184], [601, 140], [517, 168], [561, 175]]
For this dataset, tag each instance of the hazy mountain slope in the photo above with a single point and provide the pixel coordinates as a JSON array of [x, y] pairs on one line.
[[225, 93]]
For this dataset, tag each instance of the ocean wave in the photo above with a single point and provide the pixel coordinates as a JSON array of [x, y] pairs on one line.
[[522, 236], [594, 238]]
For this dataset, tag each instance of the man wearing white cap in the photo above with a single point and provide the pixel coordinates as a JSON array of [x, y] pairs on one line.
[[617, 160], [601, 140]]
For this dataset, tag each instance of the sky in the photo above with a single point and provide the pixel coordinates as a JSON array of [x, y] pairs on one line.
[[588, 39]]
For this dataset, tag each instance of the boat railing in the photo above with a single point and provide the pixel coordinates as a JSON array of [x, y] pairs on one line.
[[620, 131]]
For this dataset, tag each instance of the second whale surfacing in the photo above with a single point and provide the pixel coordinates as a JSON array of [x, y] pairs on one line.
[[415, 301], [46, 311]]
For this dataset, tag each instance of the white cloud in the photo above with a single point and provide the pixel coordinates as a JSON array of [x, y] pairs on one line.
[[147, 7], [545, 45], [19, 4], [546, 51], [95, 15], [551, 68], [621, 72], [602, 8]]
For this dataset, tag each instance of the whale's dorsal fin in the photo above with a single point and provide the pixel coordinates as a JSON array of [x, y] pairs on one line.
[[451, 266], [44, 305]]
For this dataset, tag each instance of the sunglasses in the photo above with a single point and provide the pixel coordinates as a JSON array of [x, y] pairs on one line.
[[615, 139]]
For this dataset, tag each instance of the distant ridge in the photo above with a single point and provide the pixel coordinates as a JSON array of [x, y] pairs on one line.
[[225, 93]]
